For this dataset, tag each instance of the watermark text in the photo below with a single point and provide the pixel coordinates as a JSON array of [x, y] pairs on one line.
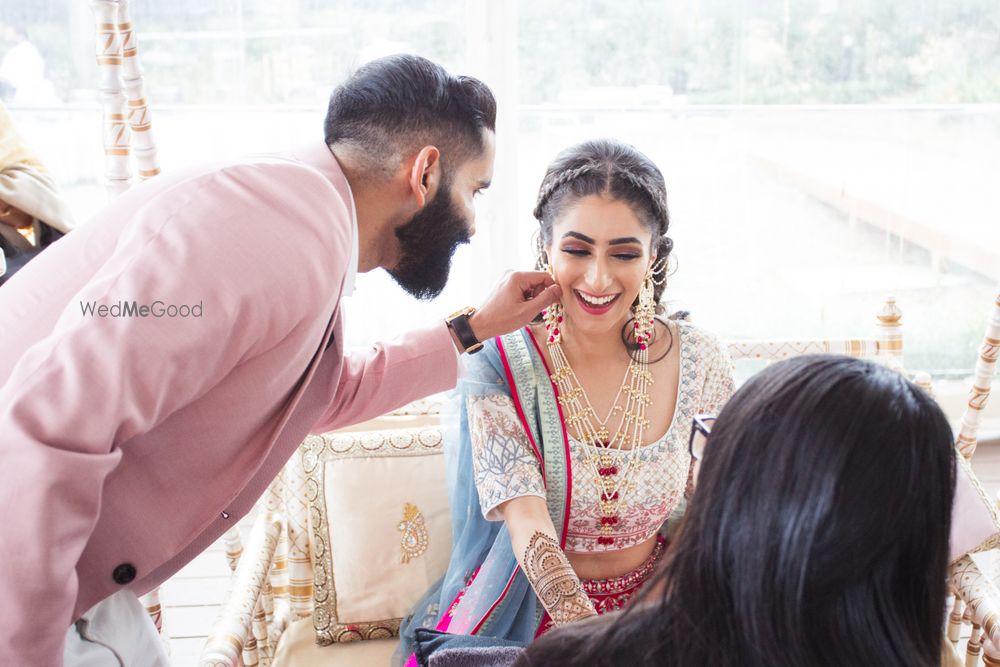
[[135, 309]]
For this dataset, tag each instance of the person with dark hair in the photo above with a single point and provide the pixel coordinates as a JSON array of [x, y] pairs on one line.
[[818, 534], [405, 111], [571, 451], [159, 365]]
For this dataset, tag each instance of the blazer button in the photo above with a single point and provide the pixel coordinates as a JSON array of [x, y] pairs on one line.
[[225, 515], [124, 574]]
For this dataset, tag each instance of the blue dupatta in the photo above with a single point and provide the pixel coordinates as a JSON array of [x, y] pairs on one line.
[[484, 592]]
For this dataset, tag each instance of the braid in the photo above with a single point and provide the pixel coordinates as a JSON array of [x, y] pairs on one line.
[[655, 195], [557, 181]]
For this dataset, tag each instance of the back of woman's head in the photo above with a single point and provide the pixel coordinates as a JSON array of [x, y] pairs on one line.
[[818, 534], [822, 517]]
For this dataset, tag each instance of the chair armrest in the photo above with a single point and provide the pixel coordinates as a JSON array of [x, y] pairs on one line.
[[224, 647], [982, 599]]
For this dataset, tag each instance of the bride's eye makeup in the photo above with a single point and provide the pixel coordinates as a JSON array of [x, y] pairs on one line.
[[575, 248], [583, 252]]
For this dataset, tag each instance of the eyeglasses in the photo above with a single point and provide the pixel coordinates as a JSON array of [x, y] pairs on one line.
[[701, 428]]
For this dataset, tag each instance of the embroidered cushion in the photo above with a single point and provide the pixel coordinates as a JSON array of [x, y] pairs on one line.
[[380, 524], [297, 648]]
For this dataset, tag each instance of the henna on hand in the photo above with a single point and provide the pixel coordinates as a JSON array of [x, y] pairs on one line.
[[556, 584]]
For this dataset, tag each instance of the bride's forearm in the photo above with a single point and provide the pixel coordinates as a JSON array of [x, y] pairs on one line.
[[544, 564], [554, 580]]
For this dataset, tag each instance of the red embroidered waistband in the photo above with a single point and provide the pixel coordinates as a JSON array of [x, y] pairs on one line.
[[628, 581]]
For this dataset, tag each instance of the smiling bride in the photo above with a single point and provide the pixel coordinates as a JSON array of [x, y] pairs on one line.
[[571, 447]]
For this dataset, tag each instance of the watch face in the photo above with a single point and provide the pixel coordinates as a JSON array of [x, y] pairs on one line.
[[459, 324]]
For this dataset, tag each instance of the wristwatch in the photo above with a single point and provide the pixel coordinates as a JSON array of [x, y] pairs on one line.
[[459, 323]]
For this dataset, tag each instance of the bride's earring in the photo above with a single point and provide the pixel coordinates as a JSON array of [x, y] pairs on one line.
[[542, 260], [553, 315], [645, 310]]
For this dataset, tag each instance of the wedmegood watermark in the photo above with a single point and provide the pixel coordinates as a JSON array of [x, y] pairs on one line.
[[136, 309]]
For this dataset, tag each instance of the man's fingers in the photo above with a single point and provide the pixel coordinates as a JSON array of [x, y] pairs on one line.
[[530, 283], [546, 298], [534, 291], [530, 279]]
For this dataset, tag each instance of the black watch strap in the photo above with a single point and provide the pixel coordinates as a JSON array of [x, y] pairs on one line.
[[459, 323]]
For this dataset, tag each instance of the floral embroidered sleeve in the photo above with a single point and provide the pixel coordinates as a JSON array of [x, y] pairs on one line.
[[505, 464], [719, 382]]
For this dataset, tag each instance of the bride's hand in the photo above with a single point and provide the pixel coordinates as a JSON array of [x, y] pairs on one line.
[[519, 297]]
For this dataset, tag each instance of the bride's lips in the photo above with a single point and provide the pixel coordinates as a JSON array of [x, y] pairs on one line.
[[595, 310]]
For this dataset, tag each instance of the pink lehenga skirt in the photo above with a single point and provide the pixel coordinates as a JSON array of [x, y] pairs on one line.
[[614, 593]]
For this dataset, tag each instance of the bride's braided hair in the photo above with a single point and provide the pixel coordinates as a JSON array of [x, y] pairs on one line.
[[613, 169]]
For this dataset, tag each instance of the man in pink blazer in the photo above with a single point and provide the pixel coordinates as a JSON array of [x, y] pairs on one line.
[[159, 365]]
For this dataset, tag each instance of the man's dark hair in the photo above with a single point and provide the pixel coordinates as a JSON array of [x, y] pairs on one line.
[[400, 103]]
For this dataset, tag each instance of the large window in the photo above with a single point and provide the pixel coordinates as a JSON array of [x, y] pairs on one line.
[[819, 154]]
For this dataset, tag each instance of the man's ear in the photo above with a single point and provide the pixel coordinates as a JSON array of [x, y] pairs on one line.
[[425, 175]]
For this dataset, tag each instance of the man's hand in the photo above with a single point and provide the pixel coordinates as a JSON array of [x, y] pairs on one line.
[[519, 297]]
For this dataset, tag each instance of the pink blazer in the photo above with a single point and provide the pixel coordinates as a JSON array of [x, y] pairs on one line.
[[130, 444]]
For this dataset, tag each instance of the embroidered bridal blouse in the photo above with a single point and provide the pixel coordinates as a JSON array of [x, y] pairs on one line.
[[506, 466]]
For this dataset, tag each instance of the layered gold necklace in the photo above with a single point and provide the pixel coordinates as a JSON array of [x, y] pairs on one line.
[[612, 473]]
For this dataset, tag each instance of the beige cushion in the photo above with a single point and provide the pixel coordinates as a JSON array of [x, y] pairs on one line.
[[975, 523], [419, 414], [392, 422], [297, 648], [381, 528]]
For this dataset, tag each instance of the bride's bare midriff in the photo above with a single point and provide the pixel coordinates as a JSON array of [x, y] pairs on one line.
[[607, 564]]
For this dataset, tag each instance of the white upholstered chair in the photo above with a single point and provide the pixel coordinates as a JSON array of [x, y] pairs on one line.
[[355, 528], [333, 529], [974, 577]]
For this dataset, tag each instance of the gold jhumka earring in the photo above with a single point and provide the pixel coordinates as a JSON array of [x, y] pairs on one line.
[[644, 312], [553, 315]]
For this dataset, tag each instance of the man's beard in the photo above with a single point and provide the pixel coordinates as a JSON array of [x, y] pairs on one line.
[[427, 242]]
